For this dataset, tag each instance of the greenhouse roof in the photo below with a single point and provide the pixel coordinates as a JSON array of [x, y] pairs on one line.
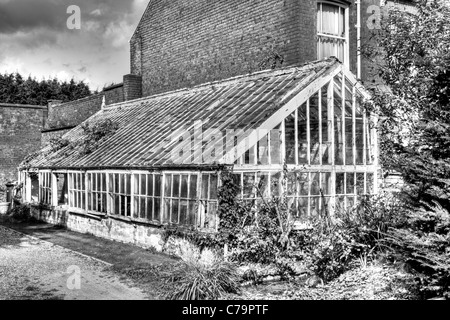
[[149, 131]]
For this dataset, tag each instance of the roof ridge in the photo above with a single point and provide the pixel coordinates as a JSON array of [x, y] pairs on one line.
[[223, 82]]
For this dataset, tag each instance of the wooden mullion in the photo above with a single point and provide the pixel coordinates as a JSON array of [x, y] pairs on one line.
[[308, 129], [320, 126], [344, 106], [296, 137], [330, 113], [354, 124], [283, 142]]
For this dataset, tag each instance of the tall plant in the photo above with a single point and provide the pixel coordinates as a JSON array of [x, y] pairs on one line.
[[415, 107]]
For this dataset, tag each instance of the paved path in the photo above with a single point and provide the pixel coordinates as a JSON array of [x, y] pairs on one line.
[[38, 270]]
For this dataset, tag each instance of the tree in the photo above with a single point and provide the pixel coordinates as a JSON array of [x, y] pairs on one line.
[[14, 89], [415, 108]]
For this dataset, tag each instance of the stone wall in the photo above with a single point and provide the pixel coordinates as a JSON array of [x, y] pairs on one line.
[[109, 228], [20, 131]]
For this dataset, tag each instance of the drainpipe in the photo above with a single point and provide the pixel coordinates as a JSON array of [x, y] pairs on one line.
[[358, 38]]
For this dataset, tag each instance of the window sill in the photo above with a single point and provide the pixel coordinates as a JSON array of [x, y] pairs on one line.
[[134, 220]]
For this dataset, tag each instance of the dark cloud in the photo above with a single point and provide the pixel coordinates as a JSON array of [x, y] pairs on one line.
[[25, 15], [34, 38]]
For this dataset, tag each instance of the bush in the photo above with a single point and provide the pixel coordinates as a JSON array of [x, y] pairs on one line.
[[200, 278], [353, 233], [20, 213], [425, 246]]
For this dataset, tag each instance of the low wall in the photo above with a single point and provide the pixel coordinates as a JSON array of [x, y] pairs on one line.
[[103, 227]]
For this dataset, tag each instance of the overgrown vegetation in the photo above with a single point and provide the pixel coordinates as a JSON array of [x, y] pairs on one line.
[[411, 54], [19, 213], [200, 276], [92, 136]]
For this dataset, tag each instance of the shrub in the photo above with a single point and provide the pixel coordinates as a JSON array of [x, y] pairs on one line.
[[425, 245], [197, 278], [20, 213], [353, 233]]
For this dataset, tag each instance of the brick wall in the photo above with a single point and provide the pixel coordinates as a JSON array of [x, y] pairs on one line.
[[63, 117], [114, 94], [132, 87], [20, 128], [183, 43], [73, 113]]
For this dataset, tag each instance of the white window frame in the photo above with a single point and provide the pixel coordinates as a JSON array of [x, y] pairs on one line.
[[346, 37]]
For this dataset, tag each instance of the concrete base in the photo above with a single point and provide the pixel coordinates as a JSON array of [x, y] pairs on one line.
[[104, 227], [4, 207]]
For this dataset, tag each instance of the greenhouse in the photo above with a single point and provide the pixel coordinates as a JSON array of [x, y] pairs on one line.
[[156, 161]]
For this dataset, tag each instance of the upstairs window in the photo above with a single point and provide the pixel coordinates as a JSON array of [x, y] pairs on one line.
[[332, 31]]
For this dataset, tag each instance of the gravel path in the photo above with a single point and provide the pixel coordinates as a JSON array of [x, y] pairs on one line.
[[36, 270]]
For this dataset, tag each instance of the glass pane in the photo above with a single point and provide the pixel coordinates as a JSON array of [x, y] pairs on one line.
[[184, 212], [275, 184], [249, 182], [176, 186], [303, 183], [128, 183], [205, 186], [158, 186], [326, 183], [263, 185], [263, 151], [275, 145], [360, 183], [136, 208], [136, 184], [314, 206], [175, 211], [192, 213], [168, 186], [237, 179], [184, 186], [338, 125], [145, 208], [213, 187], [302, 135], [348, 141], [315, 184], [116, 183], [104, 182], [302, 207], [370, 183], [166, 214], [314, 123], [359, 141], [146, 182], [350, 183], [94, 182], [340, 183], [193, 187], [157, 209], [326, 127], [291, 184], [289, 124]]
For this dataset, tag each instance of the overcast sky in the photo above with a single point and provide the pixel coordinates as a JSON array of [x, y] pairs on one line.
[[35, 40]]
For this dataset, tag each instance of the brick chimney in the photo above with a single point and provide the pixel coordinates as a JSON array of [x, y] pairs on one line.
[[132, 87]]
